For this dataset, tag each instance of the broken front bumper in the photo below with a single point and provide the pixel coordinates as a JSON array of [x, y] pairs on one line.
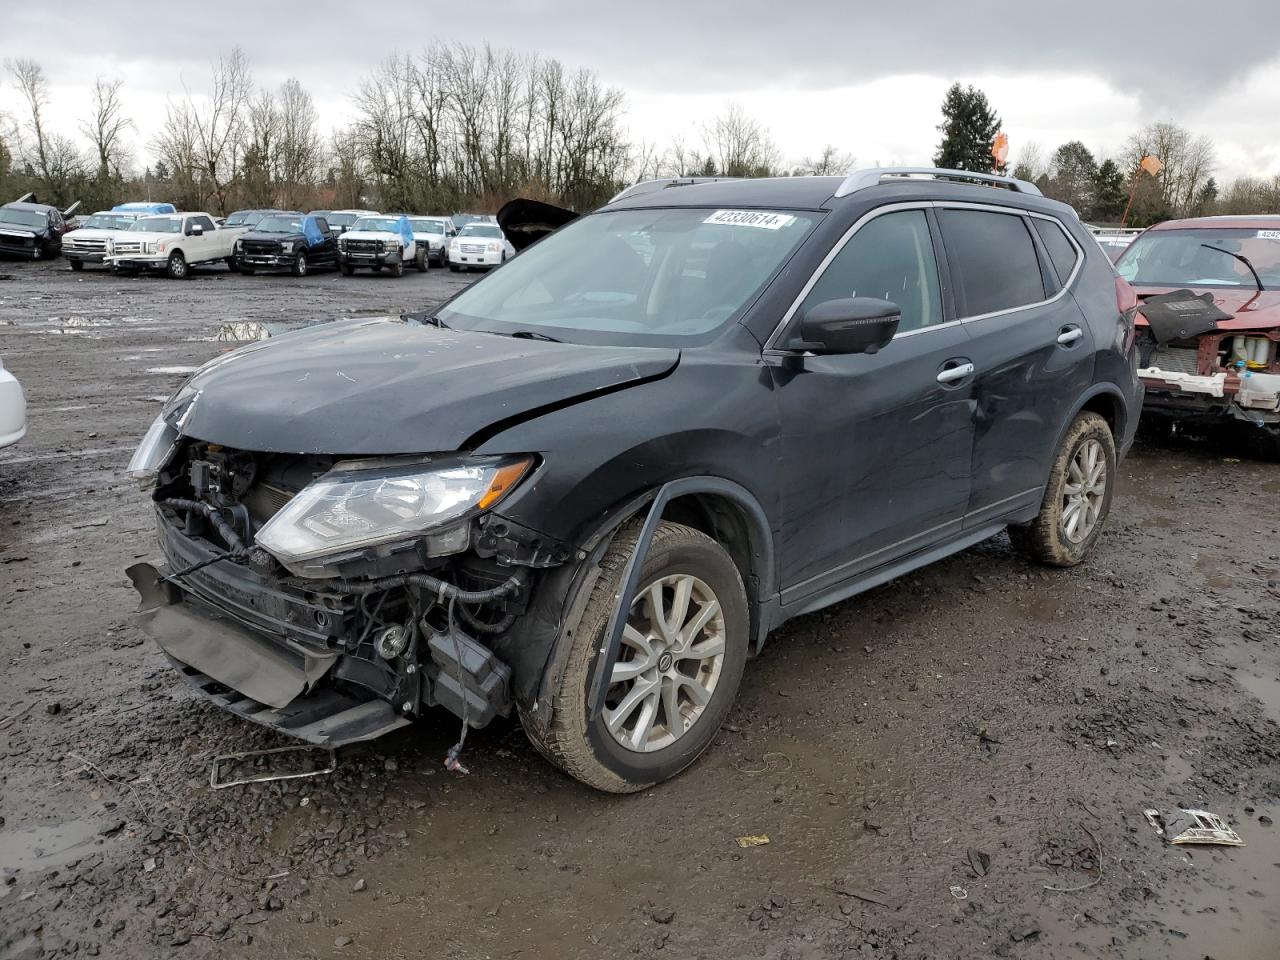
[[296, 662], [1249, 396]]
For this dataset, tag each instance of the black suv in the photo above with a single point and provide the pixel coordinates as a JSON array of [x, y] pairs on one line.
[[31, 230], [589, 486], [296, 242]]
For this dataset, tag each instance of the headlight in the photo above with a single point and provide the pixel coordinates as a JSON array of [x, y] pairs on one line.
[[364, 503], [287, 246], [153, 452], [342, 244], [239, 246], [494, 248]]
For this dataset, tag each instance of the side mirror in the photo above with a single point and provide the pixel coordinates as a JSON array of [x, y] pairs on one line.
[[850, 325], [195, 230]]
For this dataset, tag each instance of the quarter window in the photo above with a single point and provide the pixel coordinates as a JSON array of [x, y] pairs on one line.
[[889, 258], [994, 260], [1060, 250]]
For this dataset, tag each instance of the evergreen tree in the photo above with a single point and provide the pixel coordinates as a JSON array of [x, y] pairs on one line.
[[1074, 173], [1109, 192], [969, 127], [1206, 199]]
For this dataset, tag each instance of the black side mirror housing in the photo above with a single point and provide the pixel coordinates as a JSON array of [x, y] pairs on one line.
[[849, 325]]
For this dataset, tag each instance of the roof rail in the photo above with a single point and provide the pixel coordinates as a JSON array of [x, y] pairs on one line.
[[653, 186], [862, 179]]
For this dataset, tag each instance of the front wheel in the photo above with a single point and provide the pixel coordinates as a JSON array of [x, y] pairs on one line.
[[677, 671], [246, 271], [420, 261], [176, 267], [397, 269], [299, 265], [76, 265], [1077, 497], [347, 269]]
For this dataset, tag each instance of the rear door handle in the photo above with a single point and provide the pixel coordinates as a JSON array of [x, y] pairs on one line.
[[961, 370], [1069, 335]]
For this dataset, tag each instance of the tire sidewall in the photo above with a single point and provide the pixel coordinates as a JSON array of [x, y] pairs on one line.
[[711, 565], [178, 268]]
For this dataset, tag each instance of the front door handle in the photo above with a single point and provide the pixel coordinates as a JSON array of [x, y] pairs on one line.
[[1069, 335], [958, 372]]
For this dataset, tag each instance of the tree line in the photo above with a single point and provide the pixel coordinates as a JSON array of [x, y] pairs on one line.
[[457, 126]]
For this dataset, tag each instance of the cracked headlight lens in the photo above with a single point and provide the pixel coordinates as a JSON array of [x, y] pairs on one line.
[[363, 503]]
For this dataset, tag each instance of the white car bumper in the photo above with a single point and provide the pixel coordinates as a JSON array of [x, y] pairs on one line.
[[469, 259], [13, 409]]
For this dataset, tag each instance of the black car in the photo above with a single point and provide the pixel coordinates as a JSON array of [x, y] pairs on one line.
[[589, 486], [31, 230], [296, 242]]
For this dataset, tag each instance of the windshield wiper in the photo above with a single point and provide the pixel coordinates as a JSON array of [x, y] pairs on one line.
[[425, 319], [1242, 258], [534, 335]]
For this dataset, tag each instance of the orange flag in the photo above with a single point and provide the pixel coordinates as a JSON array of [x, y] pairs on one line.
[[1152, 165], [1000, 149]]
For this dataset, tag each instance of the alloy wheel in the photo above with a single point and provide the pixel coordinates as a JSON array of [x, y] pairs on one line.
[[1084, 491], [670, 660]]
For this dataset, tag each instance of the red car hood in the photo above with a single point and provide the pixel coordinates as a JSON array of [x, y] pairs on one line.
[[1250, 309]]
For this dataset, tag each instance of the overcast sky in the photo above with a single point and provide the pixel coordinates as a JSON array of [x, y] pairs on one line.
[[868, 80]]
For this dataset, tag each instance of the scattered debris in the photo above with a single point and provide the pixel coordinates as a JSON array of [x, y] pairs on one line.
[[753, 840], [959, 892], [216, 769], [979, 862], [1026, 933], [769, 763], [662, 915], [849, 889], [1092, 883], [1194, 826]]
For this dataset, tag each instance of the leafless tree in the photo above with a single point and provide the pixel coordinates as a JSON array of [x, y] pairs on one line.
[[739, 145], [1031, 164], [53, 157], [1187, 160], [107, 127], [829, 162]]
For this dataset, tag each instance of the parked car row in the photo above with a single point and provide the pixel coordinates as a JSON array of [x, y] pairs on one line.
[[133, 237]]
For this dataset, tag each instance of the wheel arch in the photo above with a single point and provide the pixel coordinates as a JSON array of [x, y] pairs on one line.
[[1108, 402]]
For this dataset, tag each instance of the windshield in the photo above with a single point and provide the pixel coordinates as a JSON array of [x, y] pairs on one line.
[[481, 230], [1178, 258], [23, 218], [634, 276], [243, 218], [342, 219], [377, 224], [157, 225], [110, 221], [427, 226], [279, 225]]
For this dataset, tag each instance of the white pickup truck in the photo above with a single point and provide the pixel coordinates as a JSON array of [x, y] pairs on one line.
[[173, 243]]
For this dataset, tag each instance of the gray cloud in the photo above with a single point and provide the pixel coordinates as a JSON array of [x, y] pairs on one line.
[[1161, 52]]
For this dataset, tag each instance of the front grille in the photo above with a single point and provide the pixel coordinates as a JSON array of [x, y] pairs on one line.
[[1176, 359], [17, 239], [363, 246], [80, 245], [472, 248], [260, 248], [128, 246]]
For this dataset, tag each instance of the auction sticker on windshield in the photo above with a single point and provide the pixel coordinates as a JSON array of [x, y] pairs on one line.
[[1269, 234], [761, 219]]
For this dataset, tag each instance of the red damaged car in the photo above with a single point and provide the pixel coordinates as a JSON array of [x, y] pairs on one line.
[[1227, 368]]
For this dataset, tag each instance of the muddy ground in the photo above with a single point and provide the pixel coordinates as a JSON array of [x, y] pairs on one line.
[[954, 765]]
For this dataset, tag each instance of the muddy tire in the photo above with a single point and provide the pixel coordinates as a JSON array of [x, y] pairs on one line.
[[1077, 497], [176, 267], [396, 269], [710, 647]]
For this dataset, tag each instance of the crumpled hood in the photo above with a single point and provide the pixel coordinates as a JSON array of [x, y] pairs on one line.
[[371, 387], [1249, 309]]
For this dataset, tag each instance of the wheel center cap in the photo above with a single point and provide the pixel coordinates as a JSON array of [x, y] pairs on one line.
[[665, 662]]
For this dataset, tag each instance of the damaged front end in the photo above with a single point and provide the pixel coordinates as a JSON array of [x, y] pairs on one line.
[[335, 599]]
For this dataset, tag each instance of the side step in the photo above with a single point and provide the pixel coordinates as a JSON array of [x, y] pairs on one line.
[[327, 717]]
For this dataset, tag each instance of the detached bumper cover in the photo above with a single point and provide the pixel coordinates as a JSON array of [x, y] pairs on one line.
[[13, 409]]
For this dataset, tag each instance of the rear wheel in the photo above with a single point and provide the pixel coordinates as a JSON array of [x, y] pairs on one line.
[[1077, 497], [176, 267], [673, 682]]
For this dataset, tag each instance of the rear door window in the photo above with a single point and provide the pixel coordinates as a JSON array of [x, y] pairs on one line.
[[993, 259], [889, 258], [1062, 253]]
